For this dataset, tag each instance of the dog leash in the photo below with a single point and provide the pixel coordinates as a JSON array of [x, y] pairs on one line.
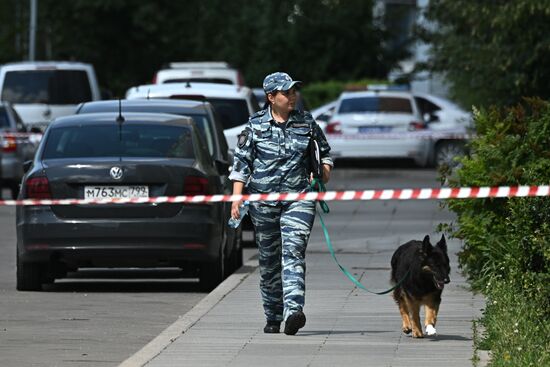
[[320, 187]]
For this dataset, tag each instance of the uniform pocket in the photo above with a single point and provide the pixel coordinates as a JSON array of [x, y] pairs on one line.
[[265, 143], [300, 138]]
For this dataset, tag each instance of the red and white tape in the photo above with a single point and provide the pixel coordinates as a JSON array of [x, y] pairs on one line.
[[424, 135], [387, 194]]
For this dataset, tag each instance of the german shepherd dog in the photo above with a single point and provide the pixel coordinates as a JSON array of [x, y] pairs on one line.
[[428, 268]]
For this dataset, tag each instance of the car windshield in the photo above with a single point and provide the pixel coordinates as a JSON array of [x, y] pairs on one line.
[[47, 86], [130, 141], [375, 104], [232, 112]]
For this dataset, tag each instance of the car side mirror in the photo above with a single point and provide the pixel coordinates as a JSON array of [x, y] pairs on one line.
[[27, 166], [431, 117], [222, 167]]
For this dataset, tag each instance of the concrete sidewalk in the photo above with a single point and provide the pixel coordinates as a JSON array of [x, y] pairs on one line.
[[345, 325]]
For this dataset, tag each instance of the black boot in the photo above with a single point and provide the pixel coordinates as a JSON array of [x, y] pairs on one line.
[[295, 322], [272, 327]]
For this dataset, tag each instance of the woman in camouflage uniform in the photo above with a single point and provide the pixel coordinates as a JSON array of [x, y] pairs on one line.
[[272, 156]]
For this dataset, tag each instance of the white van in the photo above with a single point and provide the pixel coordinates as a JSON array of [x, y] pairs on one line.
[[42, 91], [203, 72], [233, 104]]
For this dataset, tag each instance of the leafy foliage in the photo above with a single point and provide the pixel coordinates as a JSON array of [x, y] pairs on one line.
[[506, 251], [492, 52], [127, 41]]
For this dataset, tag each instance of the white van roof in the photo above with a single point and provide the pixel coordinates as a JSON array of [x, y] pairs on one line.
[[200, 89], [205, 71], [200, 65], [34, 65]]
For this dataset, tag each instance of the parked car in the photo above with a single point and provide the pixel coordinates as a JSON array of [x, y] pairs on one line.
[[203, 72], [443, 117], [17, 146], [361, 121], [201, 112], [233, 104], [42, 91], [99, 155], [323, 114]]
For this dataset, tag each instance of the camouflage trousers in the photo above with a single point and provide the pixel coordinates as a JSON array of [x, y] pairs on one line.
[[282, 233]]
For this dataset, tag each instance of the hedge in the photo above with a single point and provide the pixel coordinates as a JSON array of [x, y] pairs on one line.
[[506, 253]]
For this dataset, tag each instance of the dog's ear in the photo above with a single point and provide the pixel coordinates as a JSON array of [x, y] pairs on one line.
[[442, 244], [426, 245]]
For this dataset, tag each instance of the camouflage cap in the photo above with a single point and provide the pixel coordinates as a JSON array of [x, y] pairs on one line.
[[279, 81]]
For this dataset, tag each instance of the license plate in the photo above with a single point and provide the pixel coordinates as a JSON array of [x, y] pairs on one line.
[[116, 192], [374, 129]]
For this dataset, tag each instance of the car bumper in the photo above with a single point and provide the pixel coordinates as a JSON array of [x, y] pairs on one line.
[[186, 237], [349, 147]]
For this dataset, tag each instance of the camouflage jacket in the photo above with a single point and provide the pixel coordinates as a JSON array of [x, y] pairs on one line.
[[273, 157]]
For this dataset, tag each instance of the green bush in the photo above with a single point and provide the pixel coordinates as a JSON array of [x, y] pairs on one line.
[[317, 94], [506, 252]]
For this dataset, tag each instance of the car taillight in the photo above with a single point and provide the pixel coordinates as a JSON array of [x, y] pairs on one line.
[[9, 143], [193, 185], [38, 188], [334, 127], [416, 125]]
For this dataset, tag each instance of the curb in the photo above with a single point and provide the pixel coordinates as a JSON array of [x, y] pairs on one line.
[[185, 322]]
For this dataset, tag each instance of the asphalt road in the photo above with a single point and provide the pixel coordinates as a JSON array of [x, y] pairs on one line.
[[99, 318]]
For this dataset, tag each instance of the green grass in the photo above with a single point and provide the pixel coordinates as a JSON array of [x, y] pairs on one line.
[[516, 329]]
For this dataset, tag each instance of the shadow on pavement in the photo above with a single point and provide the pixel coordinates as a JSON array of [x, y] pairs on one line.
[[125, 280], [442, 337], [340, 332]]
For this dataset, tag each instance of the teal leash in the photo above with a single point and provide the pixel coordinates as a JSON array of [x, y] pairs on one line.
[[325, 209]]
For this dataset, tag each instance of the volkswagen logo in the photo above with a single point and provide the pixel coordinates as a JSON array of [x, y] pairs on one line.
[[116, 173]]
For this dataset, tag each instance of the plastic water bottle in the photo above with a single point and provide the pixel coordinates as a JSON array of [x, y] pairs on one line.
[[243, 209]]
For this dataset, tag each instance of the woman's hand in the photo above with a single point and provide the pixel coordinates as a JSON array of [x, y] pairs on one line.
[[237, 190], [235, 209]]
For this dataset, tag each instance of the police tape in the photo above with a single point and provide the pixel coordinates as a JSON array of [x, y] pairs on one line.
[[423, 135], [386, 194]]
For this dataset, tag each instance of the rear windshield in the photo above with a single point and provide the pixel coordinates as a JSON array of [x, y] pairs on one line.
[[375, 104], [130, 141], [47, 86], [232, 112], [201, 120]]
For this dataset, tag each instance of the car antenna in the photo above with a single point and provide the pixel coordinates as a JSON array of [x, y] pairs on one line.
[[120, 119], [148, 91]]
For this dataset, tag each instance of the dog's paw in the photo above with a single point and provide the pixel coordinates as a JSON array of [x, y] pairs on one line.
[[417, 334], [430, 330], [406, 330]]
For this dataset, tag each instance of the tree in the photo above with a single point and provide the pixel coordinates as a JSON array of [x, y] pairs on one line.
[[128, 40], [492, 52]]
